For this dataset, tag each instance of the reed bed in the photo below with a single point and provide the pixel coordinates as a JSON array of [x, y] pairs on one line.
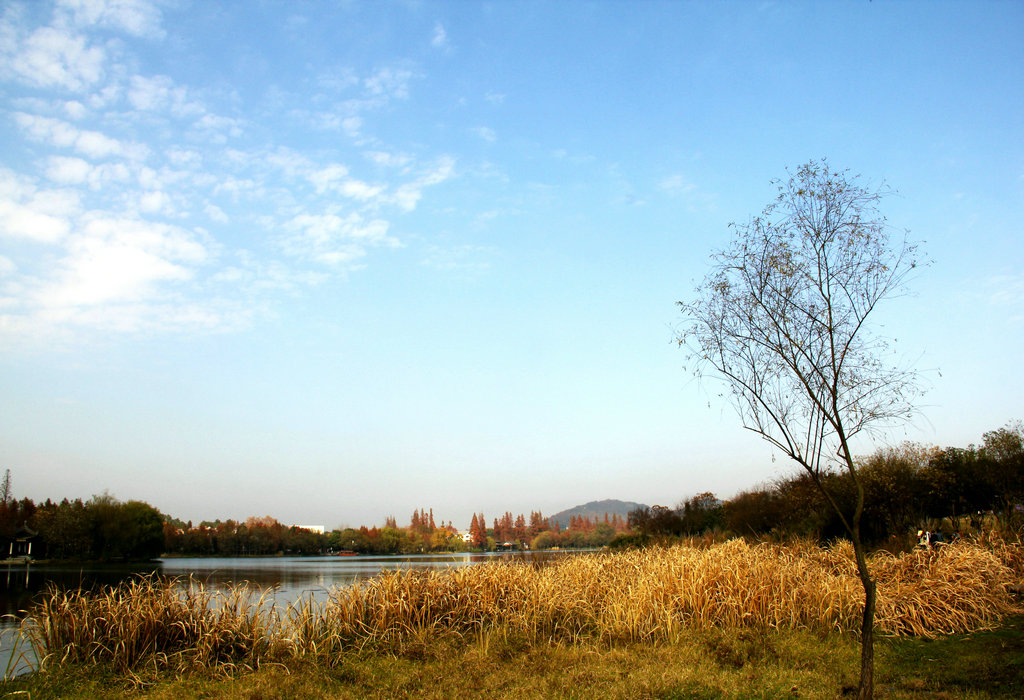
[[637, 596], [168, 624]]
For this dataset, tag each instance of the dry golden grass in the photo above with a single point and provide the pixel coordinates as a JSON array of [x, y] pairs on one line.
[[146, 620], [637, 596]]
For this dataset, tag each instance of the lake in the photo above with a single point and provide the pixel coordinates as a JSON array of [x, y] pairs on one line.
[[290, 578]]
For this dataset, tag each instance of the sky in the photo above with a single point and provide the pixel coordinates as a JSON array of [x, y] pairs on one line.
[[334, 261]]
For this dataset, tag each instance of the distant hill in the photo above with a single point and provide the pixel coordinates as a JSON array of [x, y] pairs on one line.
[[595, 509]]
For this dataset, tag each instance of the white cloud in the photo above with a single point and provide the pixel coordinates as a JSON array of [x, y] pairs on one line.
[[440, 38], [92, 240], [61, 134], [30, 214], [486, 133], [135, 17], [351, 126], [334, 178], [74, 109], [389, 83], [65, 170], [68, 171], [237, 188], [362, 191], [337, 79], [159, 93], [104, 97], [407, 196], [216, 213], [441, 172], [335, 240], [164, 177], [257, 276], [99, 271], [53, 131], [54, 57], [119, 260], [680, 187], [676, 185], [288, 161], [97, 145], [388, 160], [155, 202], [184, 158], [325, 178], [219, 128]]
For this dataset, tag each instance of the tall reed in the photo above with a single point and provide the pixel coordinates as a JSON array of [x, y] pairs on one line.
[[145, 620], [649, 596]]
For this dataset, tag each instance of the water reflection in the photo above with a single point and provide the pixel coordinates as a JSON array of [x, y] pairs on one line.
[[295, 577], [23, 582]]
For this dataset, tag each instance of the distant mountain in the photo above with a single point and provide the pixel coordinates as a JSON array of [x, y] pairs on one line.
[[595, 509]]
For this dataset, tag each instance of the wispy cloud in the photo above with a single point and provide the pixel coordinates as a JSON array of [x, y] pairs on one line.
[[334, 239], [407, 196], [140, 18], [676, 185], [132, 214], [680, 187], [160, 93], [61, 134], [120, 260], [485, 133], [30, 214], [388, 160], [439, 40], [52, 57], [389, 83], [95, 269]]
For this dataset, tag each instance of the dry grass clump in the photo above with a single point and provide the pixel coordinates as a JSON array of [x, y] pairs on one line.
[[1009, 552], [179, 625], [637, 596], [650, 595], [960, 588]]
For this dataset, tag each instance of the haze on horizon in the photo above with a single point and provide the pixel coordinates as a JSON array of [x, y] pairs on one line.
[[337, 261]]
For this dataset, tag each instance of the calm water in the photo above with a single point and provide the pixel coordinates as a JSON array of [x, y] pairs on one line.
[[290, 578]]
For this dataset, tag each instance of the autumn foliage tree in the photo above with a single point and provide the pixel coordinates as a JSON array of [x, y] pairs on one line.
[[478, 531]]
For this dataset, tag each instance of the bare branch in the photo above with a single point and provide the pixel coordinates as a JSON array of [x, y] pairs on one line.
[[783, 319]]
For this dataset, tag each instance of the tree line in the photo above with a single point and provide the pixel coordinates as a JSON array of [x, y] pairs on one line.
[[103, 528], [908, 487]]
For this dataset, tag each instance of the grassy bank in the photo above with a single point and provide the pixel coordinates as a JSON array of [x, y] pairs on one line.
[[700, 664], [731, 620]]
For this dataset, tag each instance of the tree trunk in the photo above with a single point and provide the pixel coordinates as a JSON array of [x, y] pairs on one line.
[[866, 689]]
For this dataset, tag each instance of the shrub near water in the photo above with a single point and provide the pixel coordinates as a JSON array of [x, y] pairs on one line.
[[639, 596]]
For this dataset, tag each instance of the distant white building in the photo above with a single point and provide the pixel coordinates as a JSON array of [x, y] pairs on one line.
[[318, 529]]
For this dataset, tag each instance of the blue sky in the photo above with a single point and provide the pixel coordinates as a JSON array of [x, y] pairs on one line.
[[333, 261]]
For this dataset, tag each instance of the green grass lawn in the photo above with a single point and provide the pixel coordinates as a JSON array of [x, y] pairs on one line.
[[700, 664]]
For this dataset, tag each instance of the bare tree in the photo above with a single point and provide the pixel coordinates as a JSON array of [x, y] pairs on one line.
[[783, 317], [5, 487]]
